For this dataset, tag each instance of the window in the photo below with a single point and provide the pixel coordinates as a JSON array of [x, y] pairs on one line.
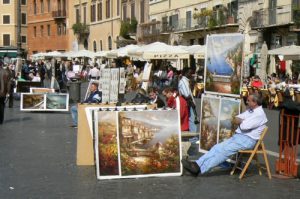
[[6, 1], [42, 6], [107, 9], [132, 16], [6, 39], [48, 30], [23, 2], [34, 31], [101, 47], [34, 7], [42, 31], [24, 19], [59, 29], [95, 46], [64, 26], [99, 17], [6, 19], [24, 39], [93, 13], [48, 5], [84, 15], [142, 10], [109, 43], [77, 15], [124, 11]]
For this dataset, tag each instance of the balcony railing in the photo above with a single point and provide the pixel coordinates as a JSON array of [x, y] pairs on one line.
[[7, 43], [272, 17], [59, 14]]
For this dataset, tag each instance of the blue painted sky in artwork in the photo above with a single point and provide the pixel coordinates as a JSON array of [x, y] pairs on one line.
[[217, 48]]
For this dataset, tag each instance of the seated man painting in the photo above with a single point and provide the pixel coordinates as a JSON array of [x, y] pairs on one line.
[[94, 97], [251, 125]]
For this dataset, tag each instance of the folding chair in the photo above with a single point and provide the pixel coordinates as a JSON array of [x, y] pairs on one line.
[[258, 149]]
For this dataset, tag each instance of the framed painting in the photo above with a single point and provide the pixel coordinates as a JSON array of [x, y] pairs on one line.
[[32, 102], [106, 145], [209, 122], [57, 102], [230, 107], [150, 143], [41, 90], [223, 64]]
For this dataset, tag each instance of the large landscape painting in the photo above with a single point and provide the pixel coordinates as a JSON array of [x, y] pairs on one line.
[[149, 143], [223, 64]]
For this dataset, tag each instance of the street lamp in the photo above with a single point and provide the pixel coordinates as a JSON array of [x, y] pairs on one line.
[[19, 44]]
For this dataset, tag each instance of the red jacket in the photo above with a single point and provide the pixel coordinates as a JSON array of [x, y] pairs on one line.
[[184, 111]]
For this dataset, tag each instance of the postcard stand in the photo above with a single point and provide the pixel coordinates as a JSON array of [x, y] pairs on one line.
[[85, 151]]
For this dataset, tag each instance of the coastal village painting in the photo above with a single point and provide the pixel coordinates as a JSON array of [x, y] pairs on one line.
[[224, 60], [149, 143], [217, 114]]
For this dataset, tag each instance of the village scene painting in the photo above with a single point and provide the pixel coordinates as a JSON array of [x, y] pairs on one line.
[[229, 109], [32, 101], [224, 62], [209, 122], [149, 143], [108, 163]]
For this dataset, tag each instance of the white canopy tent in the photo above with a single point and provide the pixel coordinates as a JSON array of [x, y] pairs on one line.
[[122, 52], [159, 50]]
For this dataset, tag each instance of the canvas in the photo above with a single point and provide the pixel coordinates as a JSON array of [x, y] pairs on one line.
[[32, 102], [42, 90], [107, 158], [57, 102], [223, 64], [150, 143], [229, 109], [209, 122]]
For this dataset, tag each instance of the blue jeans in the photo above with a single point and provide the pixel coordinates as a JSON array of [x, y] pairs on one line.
[[74, 114], [192, 125], [222, 151]]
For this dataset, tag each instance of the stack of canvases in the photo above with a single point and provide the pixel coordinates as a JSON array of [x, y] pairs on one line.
[[44, 99], [222, 88], [131, 144]]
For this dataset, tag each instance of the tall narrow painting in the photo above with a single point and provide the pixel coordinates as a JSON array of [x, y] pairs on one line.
[[223, 64], [106, 145], [230, 108], [209, 125]]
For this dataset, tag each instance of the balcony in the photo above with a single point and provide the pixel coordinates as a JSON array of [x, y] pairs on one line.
[[272, 17], [7, 43], [59, 14]]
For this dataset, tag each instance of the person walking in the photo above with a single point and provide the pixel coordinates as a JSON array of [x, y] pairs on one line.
[[4, 89]]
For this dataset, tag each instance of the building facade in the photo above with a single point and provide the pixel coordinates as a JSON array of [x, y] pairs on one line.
[[188, 22], [8, 27], [47, 26]]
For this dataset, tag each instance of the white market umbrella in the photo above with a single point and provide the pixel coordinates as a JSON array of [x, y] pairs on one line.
[[159, 50], [101, 54], [289, 52], [263, 61], [82, 53], [53, 54], [122, 52]]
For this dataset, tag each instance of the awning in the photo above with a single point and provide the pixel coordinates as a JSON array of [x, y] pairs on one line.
[[8, 53]]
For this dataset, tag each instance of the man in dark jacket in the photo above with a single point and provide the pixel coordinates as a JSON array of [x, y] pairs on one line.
[[4, 89], [94, 97]]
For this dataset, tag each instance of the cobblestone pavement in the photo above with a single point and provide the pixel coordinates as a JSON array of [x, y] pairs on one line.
[[38, 160]]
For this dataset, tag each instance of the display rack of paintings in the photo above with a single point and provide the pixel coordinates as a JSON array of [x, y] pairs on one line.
[[132, 144], [223, 64], [216, 122], [114, 85], [44, 102]]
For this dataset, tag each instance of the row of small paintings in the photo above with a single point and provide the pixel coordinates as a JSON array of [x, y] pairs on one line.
[[44, 102]]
